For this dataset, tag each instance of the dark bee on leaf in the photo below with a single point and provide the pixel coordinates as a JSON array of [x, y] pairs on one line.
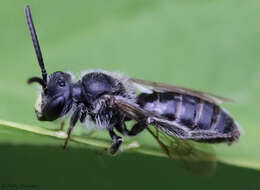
[[182, 121]]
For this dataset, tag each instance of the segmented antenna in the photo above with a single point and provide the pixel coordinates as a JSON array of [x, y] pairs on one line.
[[35, 42]]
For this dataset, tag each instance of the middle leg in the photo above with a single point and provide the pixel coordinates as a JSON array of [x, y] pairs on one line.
[[117, 141]]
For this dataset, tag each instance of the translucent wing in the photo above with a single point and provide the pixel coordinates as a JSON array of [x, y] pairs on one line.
[[198, 158], [171, 88]]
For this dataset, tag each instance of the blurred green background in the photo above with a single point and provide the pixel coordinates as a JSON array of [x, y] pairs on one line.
[[207, 45]]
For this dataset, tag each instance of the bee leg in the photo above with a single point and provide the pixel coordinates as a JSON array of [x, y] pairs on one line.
[[73, 120], [136, 129], [82, 120], [62, 125], [117, 141]]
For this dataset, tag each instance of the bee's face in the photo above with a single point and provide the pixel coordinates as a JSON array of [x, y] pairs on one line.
[[37, 106], [56, 101]]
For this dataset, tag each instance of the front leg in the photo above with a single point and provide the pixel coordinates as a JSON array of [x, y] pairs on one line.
[[73, 120]]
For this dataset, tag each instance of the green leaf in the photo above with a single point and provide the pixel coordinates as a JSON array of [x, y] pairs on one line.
[[208, 45], [84, 139]]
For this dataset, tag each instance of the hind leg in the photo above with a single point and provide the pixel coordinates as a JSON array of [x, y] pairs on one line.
[[135, 130]]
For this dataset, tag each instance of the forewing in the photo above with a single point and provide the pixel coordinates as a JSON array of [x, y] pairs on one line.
[[181, 90], [198, 158], [130, 109]]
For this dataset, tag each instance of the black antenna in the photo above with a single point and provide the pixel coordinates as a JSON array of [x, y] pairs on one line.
[[36, 43]]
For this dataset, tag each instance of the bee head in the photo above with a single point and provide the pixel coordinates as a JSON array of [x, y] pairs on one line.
[[55, 99]]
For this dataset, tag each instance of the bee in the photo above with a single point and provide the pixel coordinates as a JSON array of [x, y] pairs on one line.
[[183, 121]]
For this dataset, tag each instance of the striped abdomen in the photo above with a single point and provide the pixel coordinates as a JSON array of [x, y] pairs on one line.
[[197, 119]]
